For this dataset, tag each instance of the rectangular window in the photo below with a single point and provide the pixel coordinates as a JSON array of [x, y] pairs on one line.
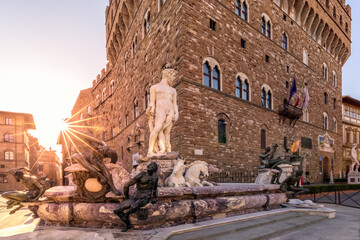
[[353, 115], [3, 178], [267, 58], [263, 139], [8, 121], [284, 17], [347, 137], [287, 84], [306, 143], [243, 43], [212, 25], [2, 166]]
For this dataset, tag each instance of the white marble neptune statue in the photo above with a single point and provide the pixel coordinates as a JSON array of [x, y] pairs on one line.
[[162, 113]]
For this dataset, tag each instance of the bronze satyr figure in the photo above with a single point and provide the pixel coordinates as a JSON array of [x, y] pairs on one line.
[[146, 185], [269, 160], [34, 191], [291, 185]]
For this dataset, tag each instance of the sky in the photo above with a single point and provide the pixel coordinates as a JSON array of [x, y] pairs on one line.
[[50, 50]]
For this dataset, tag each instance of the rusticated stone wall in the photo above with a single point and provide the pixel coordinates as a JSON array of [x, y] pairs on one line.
[[180, 34]]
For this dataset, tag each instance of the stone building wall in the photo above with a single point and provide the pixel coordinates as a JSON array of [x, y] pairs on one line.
[[180, 34], [19, 125]]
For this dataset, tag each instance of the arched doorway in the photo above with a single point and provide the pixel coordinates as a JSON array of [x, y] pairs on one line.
[[326, 170]]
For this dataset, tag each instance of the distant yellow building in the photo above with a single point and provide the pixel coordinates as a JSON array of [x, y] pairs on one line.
[[351, 129], [14, 146]]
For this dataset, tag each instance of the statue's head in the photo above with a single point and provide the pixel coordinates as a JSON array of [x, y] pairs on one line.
[[18, 175], [274, 146], [168, 73], [152, 167]]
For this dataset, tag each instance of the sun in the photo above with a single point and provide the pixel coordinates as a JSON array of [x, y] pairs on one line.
[[63, 126]]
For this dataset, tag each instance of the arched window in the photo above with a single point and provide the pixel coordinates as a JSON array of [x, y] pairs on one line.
[[334, 103], [126, 119], [266, 96], [334, 79], [263, 97], [341, 21], [334, 125], [238, 87], [147, 98], [237, 7], [284, 41], [136, 108], [113, 131], [134, 45], [327, 4], [334, 12], [216, 78], [88, 110], [263, 138], [346, 27], [112, 83], [97, 100], [263, 25], [221, 131], [8, 137], [206, 74], [266, 26], [268, 100], [244, 11], [325, 121], [325, 72], [245, 92], [119, 123], [9, 156], [147, 22], [305, 57], [325, 98], [211, 74], [103, 94]]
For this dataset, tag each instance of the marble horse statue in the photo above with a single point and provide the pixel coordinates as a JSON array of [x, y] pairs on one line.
[[195, 171], [354, 158], [176, 179]]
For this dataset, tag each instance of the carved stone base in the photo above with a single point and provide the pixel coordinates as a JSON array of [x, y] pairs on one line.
[[175, 206], [265, 176], [287, 170], [354, 177], [165, 164]]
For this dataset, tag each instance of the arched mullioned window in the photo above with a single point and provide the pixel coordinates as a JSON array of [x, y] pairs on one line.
[[221, 131], [242, 87], [266, 97], [266, 26], [244, 11], [211, 74], [9, 155], [325, 121], [284, 41], [325, 72]]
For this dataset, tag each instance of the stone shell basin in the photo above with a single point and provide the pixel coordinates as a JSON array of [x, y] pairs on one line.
[[175, 206]]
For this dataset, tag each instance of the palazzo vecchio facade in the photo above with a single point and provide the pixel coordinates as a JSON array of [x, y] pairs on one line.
[[236, 61]]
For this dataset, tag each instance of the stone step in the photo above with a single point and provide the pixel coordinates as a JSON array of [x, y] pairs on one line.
[[254, 229]]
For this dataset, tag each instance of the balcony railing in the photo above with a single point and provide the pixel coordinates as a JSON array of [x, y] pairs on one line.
[[289, 111]]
